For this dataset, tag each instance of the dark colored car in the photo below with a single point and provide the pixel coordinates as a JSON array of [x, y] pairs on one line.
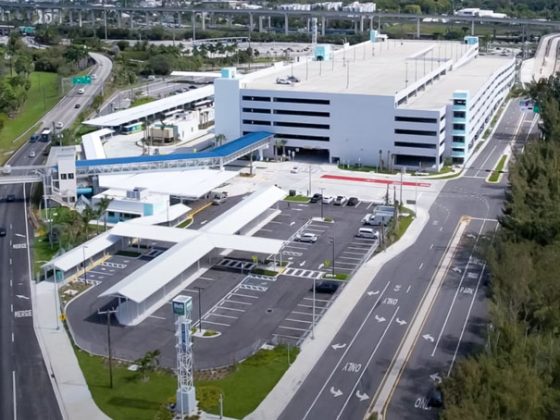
[[34, 138], [326, 286], [2, 232], [435, 398], [76, 106], [353, 201], [316, 198], [10, 198]]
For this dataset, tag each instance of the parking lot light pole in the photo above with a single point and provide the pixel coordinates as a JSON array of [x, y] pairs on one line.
[[313, 323], [332, 239], [199, 310], [84, 262], [309, 181], [322, 194]]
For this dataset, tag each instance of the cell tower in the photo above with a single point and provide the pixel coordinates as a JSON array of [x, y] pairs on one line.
[[314, 31], [186, 399]]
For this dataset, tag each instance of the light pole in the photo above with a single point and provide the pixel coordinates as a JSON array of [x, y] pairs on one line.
[[108, 312], [199, 310], [332, 242], [322, 196], [84, 262], [309, 180], [313, 323], [221, 401]]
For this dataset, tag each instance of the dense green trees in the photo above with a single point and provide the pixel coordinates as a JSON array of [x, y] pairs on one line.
[[517, 376]]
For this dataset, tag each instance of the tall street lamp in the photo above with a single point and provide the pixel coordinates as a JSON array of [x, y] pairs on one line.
[[332, 242], [84, 262], [199, 309], [322, 196]]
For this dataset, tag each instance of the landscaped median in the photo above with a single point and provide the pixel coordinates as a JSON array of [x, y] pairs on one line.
[[145, 396], [496, 174]]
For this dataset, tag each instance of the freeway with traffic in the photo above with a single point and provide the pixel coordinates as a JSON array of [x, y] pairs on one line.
[[26, 387], [346, 380]]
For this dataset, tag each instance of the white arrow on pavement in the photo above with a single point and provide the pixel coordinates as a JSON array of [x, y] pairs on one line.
[[428, 337], [436, 378], [338, 346], [371, 292], [301, 264], [321, 265], [457, 270], [22, 297], [400, 321], [20, 235], [379, 318], [336, 392], [362, 397]]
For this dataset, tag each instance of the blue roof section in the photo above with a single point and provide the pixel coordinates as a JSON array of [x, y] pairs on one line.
[[217, 152]]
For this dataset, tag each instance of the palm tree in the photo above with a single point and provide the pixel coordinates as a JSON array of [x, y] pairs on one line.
[[220, 138], [101, 210], [88, 214]]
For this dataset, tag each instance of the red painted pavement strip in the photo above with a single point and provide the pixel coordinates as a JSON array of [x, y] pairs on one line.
[[377, 181]]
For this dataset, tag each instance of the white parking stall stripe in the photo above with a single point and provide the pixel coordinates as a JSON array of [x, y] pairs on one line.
[[223, 316], [287, 336], [344, 268], [206, 278], [354, 253], [298, 320], [317, 300], [338, 263], [303, 313], [230, 309], [216, 323], [236, 301], [350, 258], [243, 295], [292, 328], [296, 247]]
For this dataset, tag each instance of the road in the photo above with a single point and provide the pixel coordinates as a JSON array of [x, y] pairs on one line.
[[25, 387], [346, 378]]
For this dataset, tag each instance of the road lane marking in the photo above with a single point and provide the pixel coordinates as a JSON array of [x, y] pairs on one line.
[[292, 328], [14, 393], [420, 267], [368, 362], [335, 369], [457, 291]]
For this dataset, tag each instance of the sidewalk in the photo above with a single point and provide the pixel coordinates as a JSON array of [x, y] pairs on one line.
[[275, 402], [70, 387]]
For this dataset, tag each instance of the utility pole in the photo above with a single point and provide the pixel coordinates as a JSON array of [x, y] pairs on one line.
[[403, 170], [322, 196], [109, 312], [309, 194], [199, 309], [332, 241]]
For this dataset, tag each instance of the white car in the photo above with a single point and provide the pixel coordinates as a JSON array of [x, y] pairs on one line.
[[306, 237], [328, 199], [294, 170], [59, 125], [341, 200], [81, 91]]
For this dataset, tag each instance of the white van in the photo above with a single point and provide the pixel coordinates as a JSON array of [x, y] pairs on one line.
[[367, 233]]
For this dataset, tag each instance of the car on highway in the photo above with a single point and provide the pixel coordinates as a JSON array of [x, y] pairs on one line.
[[2, 232], [76, 106], [192, 87], [32, 154], [353, 201], [94, 76], [306, 237], [340, 200], [316, 198], [10, 198], [327, 199], [59, 125], [294, 170], [326, 286], [435, 398], [81, 91], [34, 138]]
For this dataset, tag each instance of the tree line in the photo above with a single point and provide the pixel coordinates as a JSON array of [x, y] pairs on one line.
[[517, 375]]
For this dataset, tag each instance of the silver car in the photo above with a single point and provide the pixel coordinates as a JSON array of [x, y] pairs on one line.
[[307, 237]]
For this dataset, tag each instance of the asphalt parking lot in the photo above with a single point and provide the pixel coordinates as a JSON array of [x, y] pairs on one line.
[[247, 310]]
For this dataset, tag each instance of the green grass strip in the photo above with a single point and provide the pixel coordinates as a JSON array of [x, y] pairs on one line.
[[495, 175]]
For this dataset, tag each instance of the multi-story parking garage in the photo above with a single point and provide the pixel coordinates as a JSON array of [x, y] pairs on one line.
[[401, 103]]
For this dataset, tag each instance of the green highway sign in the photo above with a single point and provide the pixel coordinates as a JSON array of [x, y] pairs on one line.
[[81, 80]]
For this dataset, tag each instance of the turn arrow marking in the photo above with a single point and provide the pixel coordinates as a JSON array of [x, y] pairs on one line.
[[362, 397], [338, 346], [428, 337], [379, 318], [372, 293], [336, 392], [400, 321]]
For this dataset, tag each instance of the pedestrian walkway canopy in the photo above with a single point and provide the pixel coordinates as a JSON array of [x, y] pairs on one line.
[[151, 109]]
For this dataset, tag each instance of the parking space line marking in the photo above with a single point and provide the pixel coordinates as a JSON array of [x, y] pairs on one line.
[[317, 300], [360, 248], [311, 306], [345, 263], [231, 309], [98, 272], [223, 316], [287, 336], [303, 313], [354, 253], [240, 294], [157, 317], [369, 205], [298, 320], [206, 278], [275, 222], [295, 247], [292, 328], [217, 323], [344, 268], [236, 301], [349, 258]]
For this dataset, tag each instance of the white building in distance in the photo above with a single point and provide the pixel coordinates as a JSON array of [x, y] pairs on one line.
[[394, 104]]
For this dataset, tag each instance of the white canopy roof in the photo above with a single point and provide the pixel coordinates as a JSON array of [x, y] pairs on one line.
[[196, 73], [140, 112], [91, 142], [189, 183], [238, 216]]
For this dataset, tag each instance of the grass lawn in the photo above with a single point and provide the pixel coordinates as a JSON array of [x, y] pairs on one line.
[[131, 398], [495, 175], [42, 251], [141, 101], [41, 97], [297, 198]]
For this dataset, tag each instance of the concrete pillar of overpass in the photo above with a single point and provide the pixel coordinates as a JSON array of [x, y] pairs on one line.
[[371, 23], [250, 22], [80, 19], [147, 14], [60, 16], [203, 19], [70, 17], [92, 16], [418, 28], [472, 27], [179, 20], [269, 23], [261, 157], [361, 24], [193, 25], [229, 21], [286, 24], [119, 19], [323, 25], [355, 24], [261, 28], [161, 18], [308, 25], [2, 16], [130, 21]]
